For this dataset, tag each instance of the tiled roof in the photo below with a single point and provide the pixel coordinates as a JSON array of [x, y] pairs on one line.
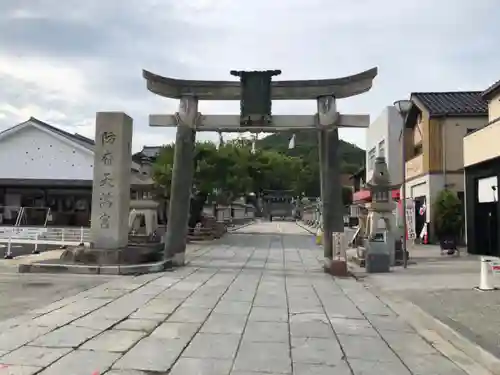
[[491, 91], [459, 103], [151, 151]]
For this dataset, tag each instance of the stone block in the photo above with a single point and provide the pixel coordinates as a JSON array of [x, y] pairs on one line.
[[268, 314], [146, 314], [15, 337], [367, 348], [316, 351], [353, 327], [267, 357], [389, 323], [202, 366], [83, 306], [342, 307], [66, 337], [94, 321], [310, 325], [208, 302], [114, 341], [141, 325], [233, 307], [336, 268], [54, 319], [207, 345], [82, 362], [20, 370], [162, 305], [431, 364], [363, 367], [151, 354], [223, 323], [190, 315], [408, 343], [308, 369], [266, 332], [33, 356], [270, 301], [171, 330]]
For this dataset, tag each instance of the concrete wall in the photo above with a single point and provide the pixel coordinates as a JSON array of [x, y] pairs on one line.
[[387, 127], [482, 145], [31, 153], [494, 108], [455, 131]]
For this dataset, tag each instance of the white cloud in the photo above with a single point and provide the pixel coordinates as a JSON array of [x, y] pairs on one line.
[[63, 61], [52, 77]]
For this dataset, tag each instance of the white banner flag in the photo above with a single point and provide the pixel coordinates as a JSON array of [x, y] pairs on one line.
[[291, 144]]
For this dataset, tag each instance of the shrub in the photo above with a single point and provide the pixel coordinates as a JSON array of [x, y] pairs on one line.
[[447, 212]]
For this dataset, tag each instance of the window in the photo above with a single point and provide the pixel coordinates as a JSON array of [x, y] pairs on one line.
[[417, 149], [371, 158], [381, 148]]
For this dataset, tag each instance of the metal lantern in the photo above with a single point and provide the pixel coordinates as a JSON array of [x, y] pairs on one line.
[[256, 101]]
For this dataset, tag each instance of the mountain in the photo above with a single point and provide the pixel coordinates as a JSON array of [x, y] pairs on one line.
[[306, 147]]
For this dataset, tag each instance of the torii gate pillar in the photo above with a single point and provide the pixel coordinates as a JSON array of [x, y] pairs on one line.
[[331, 185], [182, 181]]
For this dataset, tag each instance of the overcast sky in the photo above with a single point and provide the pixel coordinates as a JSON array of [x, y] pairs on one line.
[[63, 60]]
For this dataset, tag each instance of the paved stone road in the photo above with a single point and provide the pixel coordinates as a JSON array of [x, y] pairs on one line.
[[256, 303], [443, 287], [22, 292]]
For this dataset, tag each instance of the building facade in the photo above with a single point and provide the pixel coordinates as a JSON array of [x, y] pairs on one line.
[[383, 138], [48, 173], [482, 172], [434, 132]]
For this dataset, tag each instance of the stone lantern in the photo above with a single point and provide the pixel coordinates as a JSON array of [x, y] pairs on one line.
[[379, 232]]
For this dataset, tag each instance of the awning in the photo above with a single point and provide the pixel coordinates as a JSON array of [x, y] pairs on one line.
[[366, 195]]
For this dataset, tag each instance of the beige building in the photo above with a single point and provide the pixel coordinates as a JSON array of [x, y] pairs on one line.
[[482, 171], [434, 132]]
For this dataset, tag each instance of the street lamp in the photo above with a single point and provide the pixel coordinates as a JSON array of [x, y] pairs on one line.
[[403, 107]]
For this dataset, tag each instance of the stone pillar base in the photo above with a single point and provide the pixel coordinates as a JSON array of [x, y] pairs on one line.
[[336, 267], [179, 260], [132, 254]]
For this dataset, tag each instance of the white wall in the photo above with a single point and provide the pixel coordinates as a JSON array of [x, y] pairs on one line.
[[386, 127], [487, 189], [31, 153], [421, 186]]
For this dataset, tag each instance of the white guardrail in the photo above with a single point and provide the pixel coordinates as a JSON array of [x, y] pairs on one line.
[[43, 236]]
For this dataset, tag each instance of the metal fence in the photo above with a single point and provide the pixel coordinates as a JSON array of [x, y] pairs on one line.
[[43, 236]]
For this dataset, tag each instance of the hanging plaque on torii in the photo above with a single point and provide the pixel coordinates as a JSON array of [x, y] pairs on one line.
[[255, 101]]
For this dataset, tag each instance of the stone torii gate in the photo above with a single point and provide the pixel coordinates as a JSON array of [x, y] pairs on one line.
[[256, 92]]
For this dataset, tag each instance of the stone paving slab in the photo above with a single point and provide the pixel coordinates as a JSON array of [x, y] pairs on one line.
[[253, 304]]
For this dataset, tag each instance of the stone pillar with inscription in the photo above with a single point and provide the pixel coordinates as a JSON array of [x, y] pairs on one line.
[[111, 185]]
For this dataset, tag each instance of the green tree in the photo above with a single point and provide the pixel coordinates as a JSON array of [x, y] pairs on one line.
[[447, 212]]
